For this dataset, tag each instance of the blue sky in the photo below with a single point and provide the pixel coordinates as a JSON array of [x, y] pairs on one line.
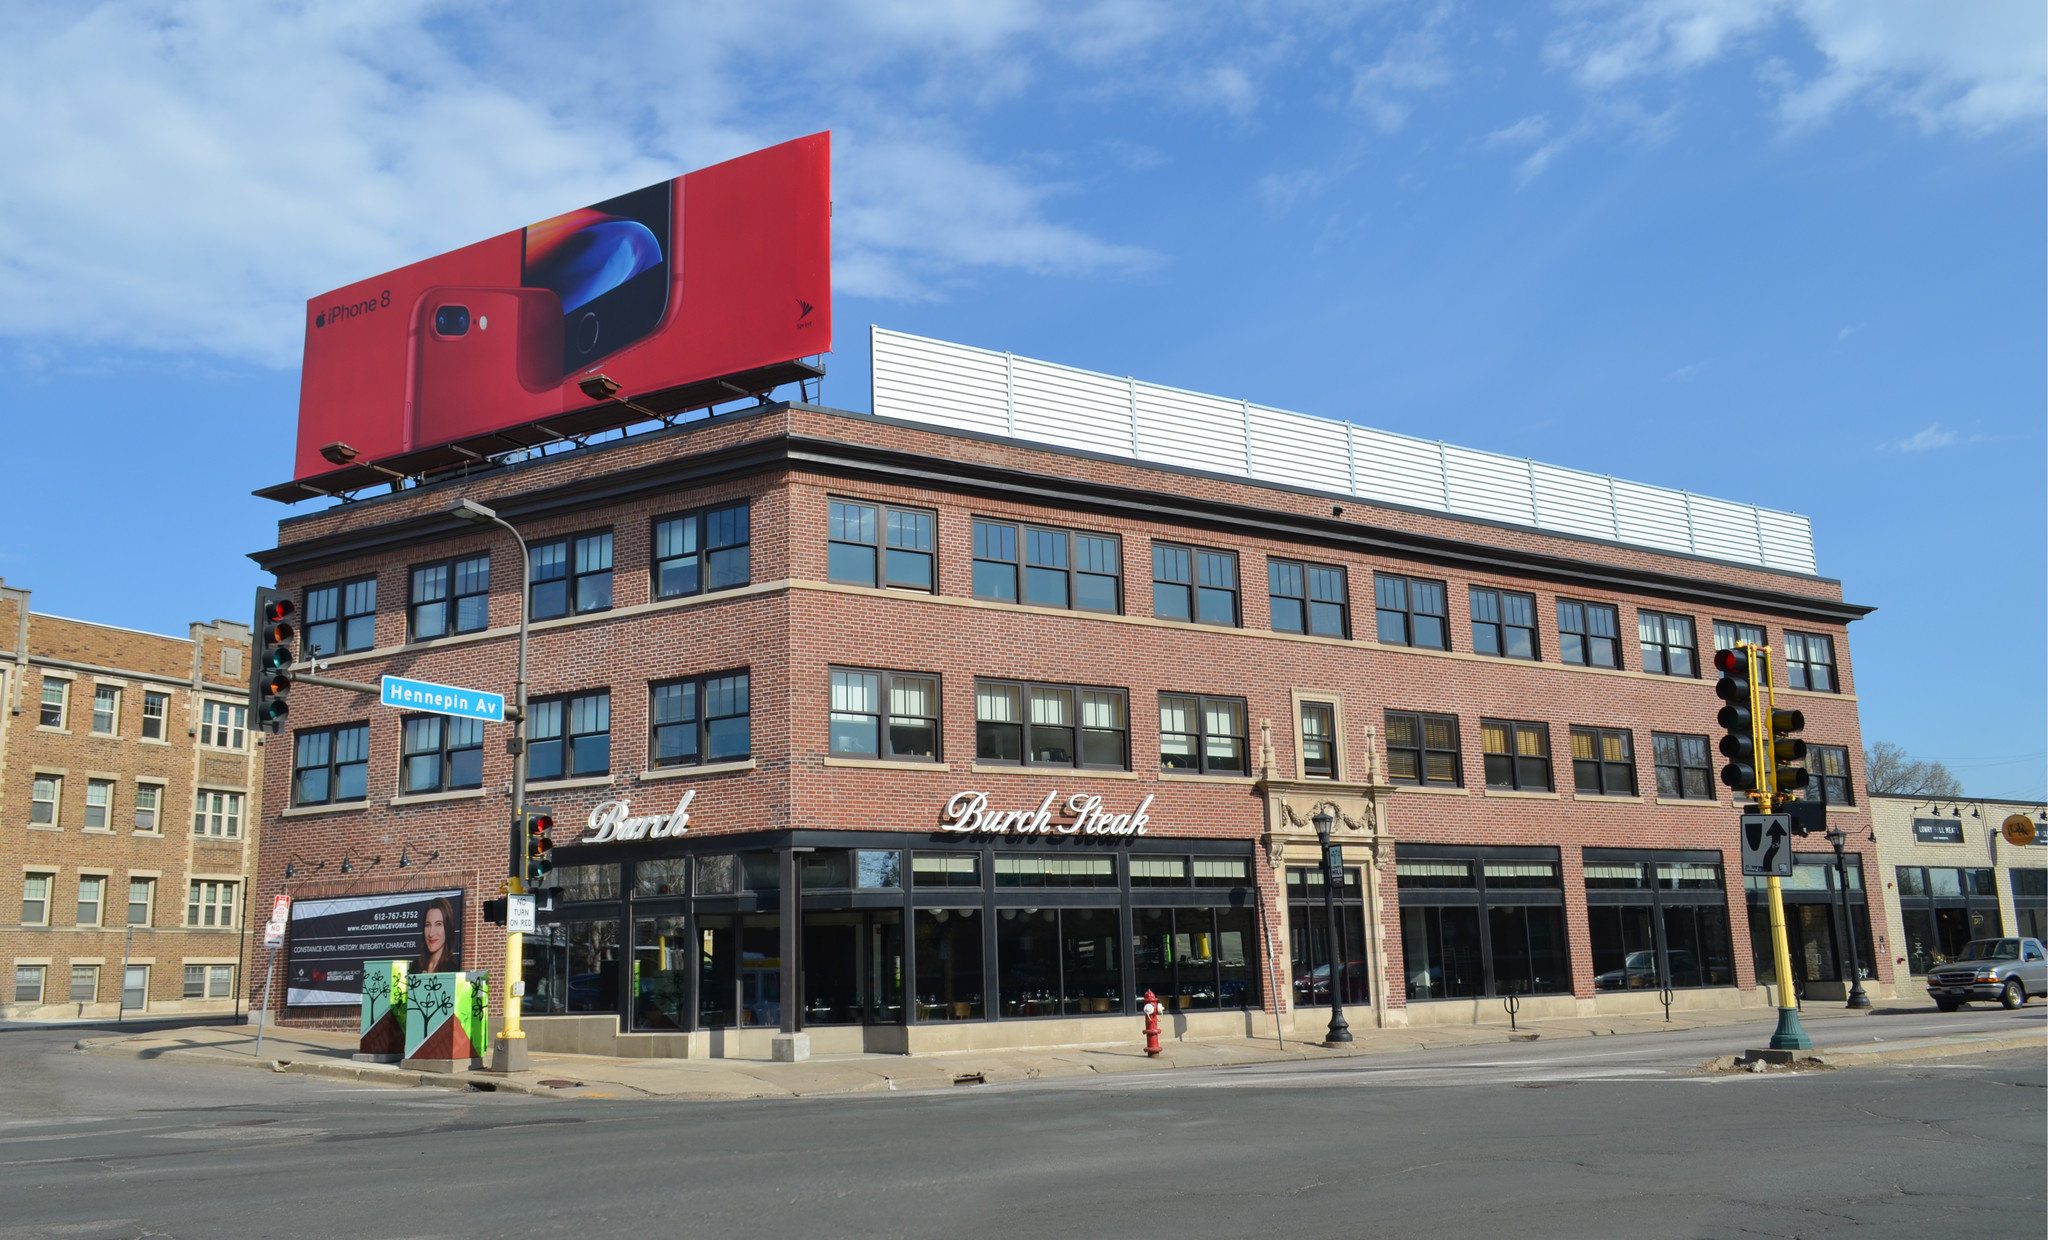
[[1612, 235]]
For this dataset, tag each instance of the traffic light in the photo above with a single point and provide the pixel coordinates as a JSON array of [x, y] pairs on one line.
[[540, 846], [1738, 719], [270, 676], [1787, 748]]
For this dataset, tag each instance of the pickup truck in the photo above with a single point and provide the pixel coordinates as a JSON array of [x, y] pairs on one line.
[[2008, 970]]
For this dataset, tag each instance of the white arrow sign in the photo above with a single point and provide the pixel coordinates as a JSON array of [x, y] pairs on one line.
[[1767, 845]]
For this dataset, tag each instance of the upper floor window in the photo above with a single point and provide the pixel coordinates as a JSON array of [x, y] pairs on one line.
[[106, 710], [570, 736], [572, 573], [1728, 634], [56, 698], [1685, 767], [148, 803], [1517, 755], [1504, 623], [1040, 725], [1189, 584], [155, 708], [1810, 662], [331, 764], [702, 551], [451, 598], [879, 545], [1667, 644], [1201, 734], [1309, 598], [1059, 568], [92, 898], [1603, 762], [35, 898], [341, 618], [141, 900], [440, 753], [1411, 611], [1588, 634], [1827, 779], [1423, 749], [209, 903], [878, 714], [221, 724], [1319, 740], [217, 814], [46, 792], [99, 804], [699, 720]]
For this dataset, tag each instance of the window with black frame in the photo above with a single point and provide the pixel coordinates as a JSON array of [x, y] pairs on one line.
[[879, 545], [1685, 767], [453, 597], [341, 619], [1319, 740], [1411, 612], [1603, 762], [1517, 755], [1202, 735], [1423, 749], [1195, 958], [1810, 662], [1194, 585], [1058, 961], [1481, 923], [1047, 567], [698, 552], [700, 720], [1655, 918], [441, 753], [1943, 908], [2030, 901], [331, 764], [1504, 624], [1023, 724], [884, 715], [1827, 778], [1308, 939], [571, 575], [569, 737], [1309, 598], [1729, 634], [1813, 925], [1667, 644], [1588, 634]]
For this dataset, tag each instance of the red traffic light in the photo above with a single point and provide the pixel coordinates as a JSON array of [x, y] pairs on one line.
[[277, 610], [1731, 662]]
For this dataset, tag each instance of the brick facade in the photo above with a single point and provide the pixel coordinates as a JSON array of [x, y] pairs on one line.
[[792, 623], [99, 834]]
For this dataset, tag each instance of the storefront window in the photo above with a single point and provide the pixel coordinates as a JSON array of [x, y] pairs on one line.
[[945, 870], [1193, 957], [1814, 932], [853, 967], [587, 882], [949, 964], [1054, 961], [662, 876], [1034, 870], [718, 978], [1308, 938], [1661, 920], [574, 967], [661, 974], [1488, 923], [1944, 908]]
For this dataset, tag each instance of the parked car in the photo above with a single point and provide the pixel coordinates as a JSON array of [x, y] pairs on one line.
[[2011, 971], [1638, 971]]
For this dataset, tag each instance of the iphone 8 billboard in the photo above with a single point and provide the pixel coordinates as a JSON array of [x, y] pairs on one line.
[[716, 272]]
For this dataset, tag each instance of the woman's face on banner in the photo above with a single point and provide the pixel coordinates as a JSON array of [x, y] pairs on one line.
[[435, 930]]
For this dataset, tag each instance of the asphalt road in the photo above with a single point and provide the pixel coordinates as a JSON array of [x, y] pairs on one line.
[[1581, 1137]]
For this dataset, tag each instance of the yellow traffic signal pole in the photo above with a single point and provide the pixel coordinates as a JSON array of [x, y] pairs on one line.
[[1789, 1035]]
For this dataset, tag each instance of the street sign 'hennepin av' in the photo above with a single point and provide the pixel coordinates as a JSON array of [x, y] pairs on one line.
[[443, 699]]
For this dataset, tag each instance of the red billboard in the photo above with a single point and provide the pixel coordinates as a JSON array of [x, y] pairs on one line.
[[709, 286]]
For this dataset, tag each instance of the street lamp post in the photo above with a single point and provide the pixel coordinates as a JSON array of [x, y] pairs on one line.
[[1857, 997], [1333, 874], [508, 1053]]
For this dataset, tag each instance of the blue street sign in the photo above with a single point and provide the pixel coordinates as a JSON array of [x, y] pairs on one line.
[[443, 699]]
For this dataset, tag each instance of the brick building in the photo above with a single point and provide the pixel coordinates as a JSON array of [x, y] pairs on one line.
[[1033, 729], [127, 775]]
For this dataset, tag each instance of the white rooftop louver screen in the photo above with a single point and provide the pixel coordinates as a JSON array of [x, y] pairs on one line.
[[951, 385]]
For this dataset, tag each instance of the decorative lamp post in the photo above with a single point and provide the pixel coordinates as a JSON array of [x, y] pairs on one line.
[[509, 1052], [1333, 876], [1857, 997]]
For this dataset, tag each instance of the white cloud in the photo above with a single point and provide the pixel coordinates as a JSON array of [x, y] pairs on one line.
[[1935, 436], [1972, 67], [188, 172]]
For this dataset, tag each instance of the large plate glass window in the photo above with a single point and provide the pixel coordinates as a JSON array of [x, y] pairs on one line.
[[1667, 644], [1202, 735], [331, 764], [1309, 598], [701, 551], [1588, 634], [1517, 755], [1058, 961], [1308, 939], [1603, 762], [948, 950], [1657, 919], [1504, 623], [884, 715], [1810, 662], [1194, 958], [1685, 767], [699, 720], [1410, 611], [1815, 935], [1050, 725], [570, 736], [1481, 922]]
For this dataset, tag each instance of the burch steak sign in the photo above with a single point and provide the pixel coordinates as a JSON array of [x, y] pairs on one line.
[[969, 812]]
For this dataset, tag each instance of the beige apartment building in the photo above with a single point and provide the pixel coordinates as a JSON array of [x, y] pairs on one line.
[[1950, 876], [130, 783]]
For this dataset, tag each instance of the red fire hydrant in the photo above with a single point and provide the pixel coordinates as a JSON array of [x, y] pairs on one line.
[[1152, 1006]]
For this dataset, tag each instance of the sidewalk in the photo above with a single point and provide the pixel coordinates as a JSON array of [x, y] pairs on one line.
[[319, 1053]]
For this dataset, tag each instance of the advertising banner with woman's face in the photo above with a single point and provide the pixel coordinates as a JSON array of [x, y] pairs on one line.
[[331, 938]]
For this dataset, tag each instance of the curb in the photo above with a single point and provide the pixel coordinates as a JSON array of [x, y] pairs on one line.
[[1958, 1044], [399, 1078]]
